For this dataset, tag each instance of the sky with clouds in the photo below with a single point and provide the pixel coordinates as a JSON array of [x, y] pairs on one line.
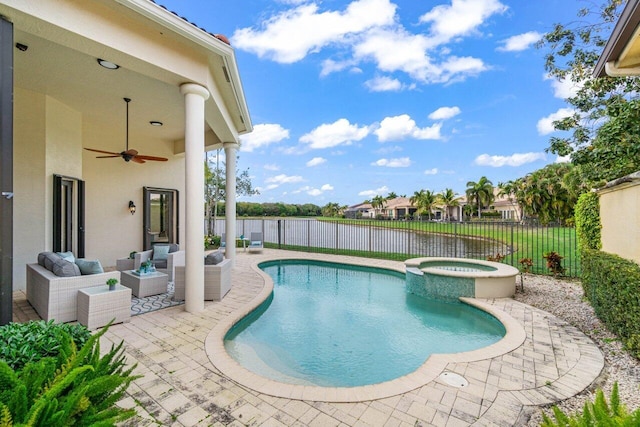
[[356, 98]]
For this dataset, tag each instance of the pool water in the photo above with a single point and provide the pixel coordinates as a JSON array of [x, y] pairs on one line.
[[340, 325]]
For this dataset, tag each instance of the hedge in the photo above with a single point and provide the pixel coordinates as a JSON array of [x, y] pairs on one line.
[[587, 217], [612, 285]]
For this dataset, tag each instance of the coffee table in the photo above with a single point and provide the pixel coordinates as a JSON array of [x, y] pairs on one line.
[[143, 285], [98, 305]]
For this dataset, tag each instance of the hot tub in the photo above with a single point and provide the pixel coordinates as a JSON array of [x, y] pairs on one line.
[[452, 278]]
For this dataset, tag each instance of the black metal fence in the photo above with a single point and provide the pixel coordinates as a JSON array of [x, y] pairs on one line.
[[410, 239]]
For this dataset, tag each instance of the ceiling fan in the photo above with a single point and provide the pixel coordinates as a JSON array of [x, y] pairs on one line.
[[128, 154]]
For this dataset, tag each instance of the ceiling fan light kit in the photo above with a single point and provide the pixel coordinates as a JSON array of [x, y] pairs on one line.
[[128, 154]]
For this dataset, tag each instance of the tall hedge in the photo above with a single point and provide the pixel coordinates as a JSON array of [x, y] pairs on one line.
[[612, 285], [587, 217]]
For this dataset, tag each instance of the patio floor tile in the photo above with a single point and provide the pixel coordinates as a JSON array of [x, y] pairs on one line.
[[182, 386]]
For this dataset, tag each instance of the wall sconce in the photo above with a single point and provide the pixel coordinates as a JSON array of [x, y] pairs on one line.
[[132, 207]]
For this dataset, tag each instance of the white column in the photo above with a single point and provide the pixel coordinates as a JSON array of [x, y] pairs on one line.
[[194, 97], [230, 203]]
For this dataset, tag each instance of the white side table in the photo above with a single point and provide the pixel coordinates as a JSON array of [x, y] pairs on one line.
[[123, 264], [98, 305]]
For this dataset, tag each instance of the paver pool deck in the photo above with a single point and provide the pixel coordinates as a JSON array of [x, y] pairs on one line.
[[545, 360]]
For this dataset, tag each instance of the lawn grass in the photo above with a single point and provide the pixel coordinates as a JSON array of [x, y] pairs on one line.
[[527, 241]]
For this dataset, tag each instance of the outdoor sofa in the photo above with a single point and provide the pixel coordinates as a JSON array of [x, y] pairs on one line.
[[217, 278], [53, 284]]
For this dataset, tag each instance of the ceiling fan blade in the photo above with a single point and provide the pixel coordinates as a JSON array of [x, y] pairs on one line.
[[137, 159], [107, 157], [157, 159], [131, 152], [104, 152]]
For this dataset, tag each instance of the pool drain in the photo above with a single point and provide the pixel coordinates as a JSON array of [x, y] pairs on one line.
[[453, 379]]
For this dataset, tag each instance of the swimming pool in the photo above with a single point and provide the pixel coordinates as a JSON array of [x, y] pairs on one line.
[[340, 325]]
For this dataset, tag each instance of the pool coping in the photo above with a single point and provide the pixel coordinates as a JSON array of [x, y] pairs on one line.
[[429, 371]]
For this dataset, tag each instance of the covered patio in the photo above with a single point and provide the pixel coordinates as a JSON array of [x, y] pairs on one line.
[[66, 68]]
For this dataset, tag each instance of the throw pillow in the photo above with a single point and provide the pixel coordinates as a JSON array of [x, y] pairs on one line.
[[67, 255], [213, 258], [160, 252], [89, 266], [64, 268], [50, 259]]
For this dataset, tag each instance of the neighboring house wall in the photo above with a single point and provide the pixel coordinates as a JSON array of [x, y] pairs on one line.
[[620, 217]]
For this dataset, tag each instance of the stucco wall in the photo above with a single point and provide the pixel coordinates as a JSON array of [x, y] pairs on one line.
[[620, 217], [111, 231], [48, 140]]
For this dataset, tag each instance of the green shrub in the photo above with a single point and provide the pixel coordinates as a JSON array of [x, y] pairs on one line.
[[598, 413], [77, 388], [612, 285], [587, 218], [29, 342], [554, 262]]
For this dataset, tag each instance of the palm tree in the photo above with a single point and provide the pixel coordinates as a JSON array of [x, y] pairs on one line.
[[480, 193], [509, 190], [424, 201], [392, 196], [378, 202], [448, 199]]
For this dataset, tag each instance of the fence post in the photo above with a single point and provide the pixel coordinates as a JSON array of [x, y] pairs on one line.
[[512, 245], [337, 236], [455, 241], [279, 234]]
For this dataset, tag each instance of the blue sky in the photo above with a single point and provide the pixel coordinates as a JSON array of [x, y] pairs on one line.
[[355, 98]]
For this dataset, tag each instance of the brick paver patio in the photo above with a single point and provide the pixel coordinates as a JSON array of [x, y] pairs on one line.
[[182, 387]]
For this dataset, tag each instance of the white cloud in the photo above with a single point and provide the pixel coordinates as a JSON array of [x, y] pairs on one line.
[[377, 192], [563, 89], [341, 132], [292, 34], [433, 171], [283, 179], [263, 135], [314, 191], [402, 162], [517, 159], [520, 42], [545, 124], [272, 167], [403, 126], [383, 84], [563, 159], [444, 113], [460, 18], [369, 30], [316, 161]]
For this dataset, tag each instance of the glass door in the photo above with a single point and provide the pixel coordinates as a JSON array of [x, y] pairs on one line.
[[160, 216]]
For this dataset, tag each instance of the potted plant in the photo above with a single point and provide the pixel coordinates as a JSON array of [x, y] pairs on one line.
[[132, 254], [112, 284]]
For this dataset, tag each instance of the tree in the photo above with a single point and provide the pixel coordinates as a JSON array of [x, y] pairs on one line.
[[512, 190], [424, 201], [604, 139], [448, 199], [215, 191], [480, 193], [392, 196], [332, 210], [378, 203]]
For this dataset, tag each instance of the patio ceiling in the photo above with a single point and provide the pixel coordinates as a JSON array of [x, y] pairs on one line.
[[156, 50], [77, 80]]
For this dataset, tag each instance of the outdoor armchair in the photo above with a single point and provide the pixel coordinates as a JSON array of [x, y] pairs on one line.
[[163, 257], [255, 243]]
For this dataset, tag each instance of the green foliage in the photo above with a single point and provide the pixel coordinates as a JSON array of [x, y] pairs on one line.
[[21, 343], [612, 285], [480, 193], [587, 216], [598, 413], [548, 194], [603, 129], [554, 262], [74, 388]]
